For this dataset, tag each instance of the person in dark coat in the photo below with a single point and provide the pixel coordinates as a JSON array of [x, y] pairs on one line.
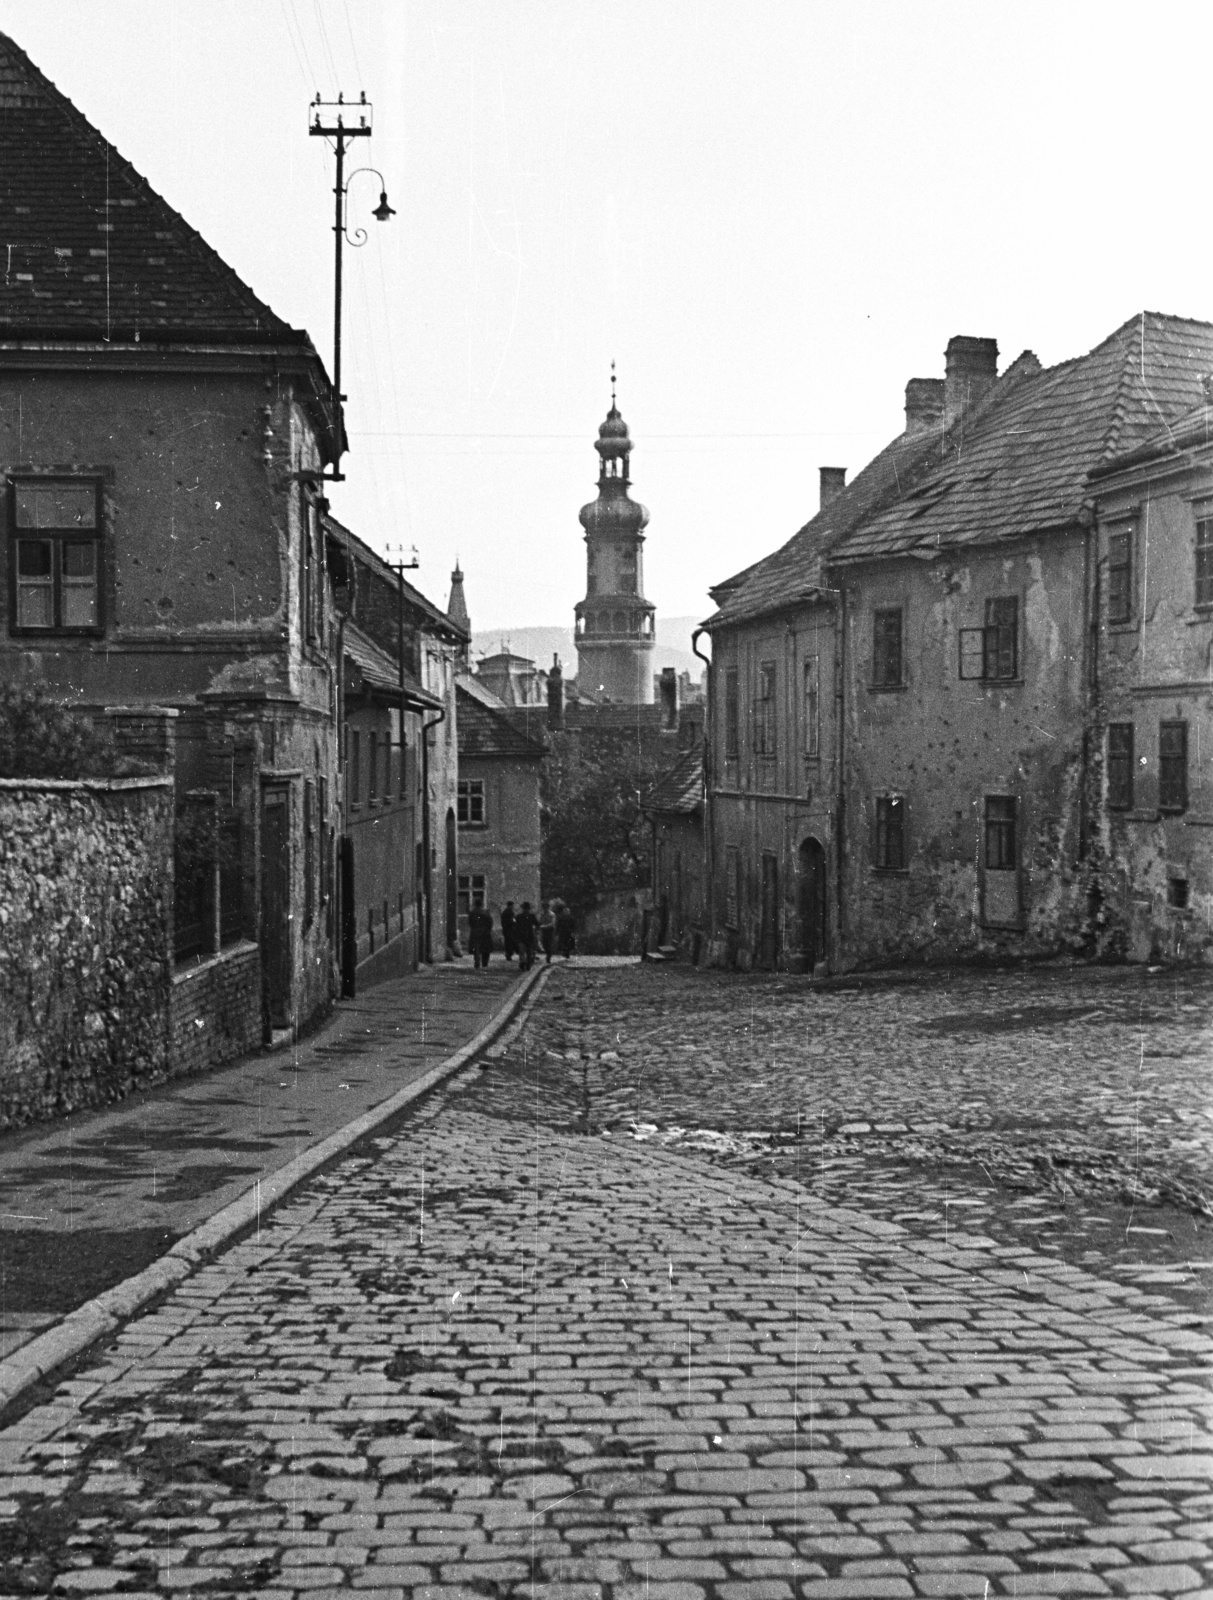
[[509, 938], [526, 926], [480, 935], [566, 938]]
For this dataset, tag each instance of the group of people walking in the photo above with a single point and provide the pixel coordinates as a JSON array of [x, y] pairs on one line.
[[523, 933]]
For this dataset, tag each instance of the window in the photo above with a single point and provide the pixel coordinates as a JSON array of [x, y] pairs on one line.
[[992, 652], [1204, 557], [1120, 577], [398, 730], [56, 557], [1001, 847], [764, 712], [812, 707], [732, 885], [891, 833], [355, 768], [471, 893], [372, 767], [326, 855], [1173, 766], [1177, 893], [732, 731], [886, 650], [470, 802], [1120, 766], [1001, 652]]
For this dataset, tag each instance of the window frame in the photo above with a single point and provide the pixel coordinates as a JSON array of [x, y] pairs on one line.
[[766, 720], [1119, 598], [889, 841], [1119, 761], [467, 792], [1000, 830], [812, 707], [888, 667], [1202, 559], [732, 714], [57, 538], [985, 645], [1173, 794], [471, 892]]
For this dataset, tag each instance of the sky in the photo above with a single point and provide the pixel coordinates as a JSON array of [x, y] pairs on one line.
[[769, 213]]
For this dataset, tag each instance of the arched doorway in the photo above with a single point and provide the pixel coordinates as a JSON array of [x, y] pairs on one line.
[[452, 882], [812, 902]]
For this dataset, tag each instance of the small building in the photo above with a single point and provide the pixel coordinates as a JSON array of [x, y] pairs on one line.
[[500, 767], [676, 807], [1154, 691], [513, 680]]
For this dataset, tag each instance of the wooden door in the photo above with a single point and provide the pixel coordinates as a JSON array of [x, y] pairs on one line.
[[276, 905], [812, 902], [768, 937]]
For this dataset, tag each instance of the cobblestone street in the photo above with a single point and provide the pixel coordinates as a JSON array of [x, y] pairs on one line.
[[701, 1286]]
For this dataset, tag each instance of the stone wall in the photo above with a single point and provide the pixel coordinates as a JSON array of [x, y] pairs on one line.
[[215, 1010], [85, 942]]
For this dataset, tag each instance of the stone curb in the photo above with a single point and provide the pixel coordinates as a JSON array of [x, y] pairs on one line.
[[106, 1311]]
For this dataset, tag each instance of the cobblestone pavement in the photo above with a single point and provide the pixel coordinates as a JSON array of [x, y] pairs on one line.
[[532, 1339]]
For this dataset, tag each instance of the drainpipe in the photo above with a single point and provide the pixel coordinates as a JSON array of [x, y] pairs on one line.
[[425, 831], [709, 862]]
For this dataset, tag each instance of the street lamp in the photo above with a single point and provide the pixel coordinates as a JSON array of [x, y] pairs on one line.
[[340, 120]]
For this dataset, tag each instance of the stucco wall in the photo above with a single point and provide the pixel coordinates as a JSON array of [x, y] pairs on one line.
[[506, 849], [85, 958], [943, 743], [1156, 666]]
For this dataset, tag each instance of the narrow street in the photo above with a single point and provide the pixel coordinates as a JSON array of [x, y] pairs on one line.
[[702, 1285]]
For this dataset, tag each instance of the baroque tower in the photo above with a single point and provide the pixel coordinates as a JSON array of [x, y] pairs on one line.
[[614, 626]]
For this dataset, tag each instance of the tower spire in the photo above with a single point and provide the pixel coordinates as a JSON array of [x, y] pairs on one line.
[[613, 405]]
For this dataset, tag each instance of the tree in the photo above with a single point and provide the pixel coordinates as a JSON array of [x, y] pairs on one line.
[[42, 737], [595, 834]]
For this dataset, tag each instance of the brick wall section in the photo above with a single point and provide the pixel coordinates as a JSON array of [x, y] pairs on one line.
[[215, 1010], [85, 936]]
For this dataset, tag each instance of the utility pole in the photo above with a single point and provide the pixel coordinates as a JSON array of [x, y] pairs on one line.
[[340, 120]]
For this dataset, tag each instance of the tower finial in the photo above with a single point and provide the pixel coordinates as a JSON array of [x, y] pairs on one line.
[[612, 386]]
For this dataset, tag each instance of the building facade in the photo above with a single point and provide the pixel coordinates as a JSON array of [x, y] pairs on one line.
[[500, 768], [912, 701]]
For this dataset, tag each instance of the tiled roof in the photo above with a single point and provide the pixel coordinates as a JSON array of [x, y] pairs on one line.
[[1023, 465], [91, 251], [487, 731], [795, 570], [359, 550], [380, 670], [613, 718], [680, 791], [1193, 431]]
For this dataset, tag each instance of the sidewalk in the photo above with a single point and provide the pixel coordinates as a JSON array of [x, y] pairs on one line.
[[94, 1197]]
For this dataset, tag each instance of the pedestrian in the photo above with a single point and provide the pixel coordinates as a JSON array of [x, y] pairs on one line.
[[526, 925], [547, 931], [480, 935], [508, 936], [566, 939]]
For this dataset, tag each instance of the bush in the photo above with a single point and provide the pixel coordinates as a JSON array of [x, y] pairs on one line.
[[42, 737], [596, 836]]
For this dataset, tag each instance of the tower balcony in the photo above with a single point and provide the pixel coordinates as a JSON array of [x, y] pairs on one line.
[[610, 618]]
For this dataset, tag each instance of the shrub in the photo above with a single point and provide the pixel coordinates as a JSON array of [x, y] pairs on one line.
[[42, 737]]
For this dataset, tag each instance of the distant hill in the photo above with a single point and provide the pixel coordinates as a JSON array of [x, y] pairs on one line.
[[673, 647]]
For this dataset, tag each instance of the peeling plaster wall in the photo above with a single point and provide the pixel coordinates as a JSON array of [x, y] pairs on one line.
[[943, 743], [85, 942], [506, 849], [1158, 666]]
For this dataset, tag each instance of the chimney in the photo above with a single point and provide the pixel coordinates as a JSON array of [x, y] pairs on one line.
[[833, 482], [669, 698], [555, 695], [924, 404], [971, 366]]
